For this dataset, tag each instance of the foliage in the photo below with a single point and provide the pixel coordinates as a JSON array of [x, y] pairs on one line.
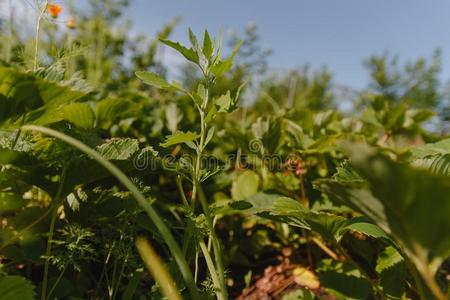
[[118, 182]]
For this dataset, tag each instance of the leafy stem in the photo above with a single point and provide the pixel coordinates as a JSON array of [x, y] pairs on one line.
[[215, 242], [201, 145], [208, 58]]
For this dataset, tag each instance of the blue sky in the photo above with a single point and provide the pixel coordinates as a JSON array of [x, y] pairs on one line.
[[336, 33]]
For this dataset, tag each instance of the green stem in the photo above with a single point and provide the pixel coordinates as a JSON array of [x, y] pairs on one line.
[[201, 146], [215, 242], [38, 29], [414, 273], [142, 201], [196, 266], [212, 271], [122, 269], [181, 190], [428, 277], [56, 202], [197, 190], [56, 282], [8, 49], [103, 274]]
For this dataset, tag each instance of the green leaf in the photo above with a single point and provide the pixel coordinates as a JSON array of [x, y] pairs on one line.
[[200, 96], [189, 53], [411, 205], [346, 174], [224, 102], [157, 81], [428, 150], [193, 39], [223, 66], [420, 115], [80, 114], [118, 149], [208, 46], [438, 164], [16, 287], [179, 138], [433, 157], [343, 280], [109, 109], [209, 135], [25, 99], [391, 269], [292, 212], [363, 225], [245, 185]]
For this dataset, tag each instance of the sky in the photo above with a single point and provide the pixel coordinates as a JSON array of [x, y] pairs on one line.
[[337, 33]]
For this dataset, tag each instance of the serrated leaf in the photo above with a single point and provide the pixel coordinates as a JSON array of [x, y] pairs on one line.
[[40, 99], [189, 53], [292, 212], [179, 138], [16, 287], [346, 174], [387, 259], [80, 114], [118, 149], [391, 269]]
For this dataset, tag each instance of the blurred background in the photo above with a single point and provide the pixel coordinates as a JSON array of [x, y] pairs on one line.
[[347, 48]]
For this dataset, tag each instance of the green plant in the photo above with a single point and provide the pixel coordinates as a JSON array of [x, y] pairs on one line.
[[208, 57], [111, 189], [153, 215]]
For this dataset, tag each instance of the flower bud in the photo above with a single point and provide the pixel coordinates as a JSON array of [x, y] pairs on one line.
[[54, 10]]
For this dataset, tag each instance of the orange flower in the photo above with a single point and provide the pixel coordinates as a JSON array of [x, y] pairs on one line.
[[54, 10]]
